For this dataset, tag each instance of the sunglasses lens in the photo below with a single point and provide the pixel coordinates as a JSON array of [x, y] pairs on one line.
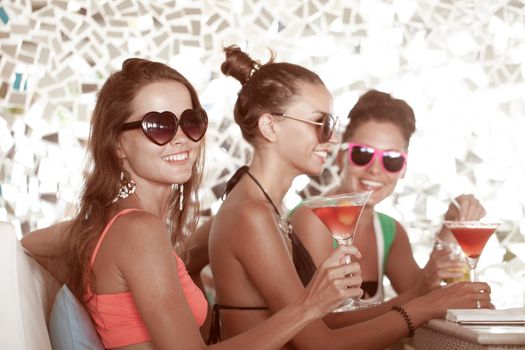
[[327, 128], [194, 123], [361, 155], [160, 127], [393, 161]]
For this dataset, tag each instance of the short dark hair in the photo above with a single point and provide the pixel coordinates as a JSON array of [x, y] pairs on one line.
[[381, 107]]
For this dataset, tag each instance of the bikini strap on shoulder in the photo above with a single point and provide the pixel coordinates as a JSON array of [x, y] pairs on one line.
[[106, 229]]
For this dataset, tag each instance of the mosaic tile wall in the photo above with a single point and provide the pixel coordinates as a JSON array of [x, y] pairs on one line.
[[460, 64]]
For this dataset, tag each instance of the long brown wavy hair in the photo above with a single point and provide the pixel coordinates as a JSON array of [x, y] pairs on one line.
[[102, 180]]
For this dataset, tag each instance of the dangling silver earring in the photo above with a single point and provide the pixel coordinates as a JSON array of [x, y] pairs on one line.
[[181, 196], [127, 186]]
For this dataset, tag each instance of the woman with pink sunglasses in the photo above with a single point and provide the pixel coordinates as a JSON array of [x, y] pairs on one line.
[[373, 157]]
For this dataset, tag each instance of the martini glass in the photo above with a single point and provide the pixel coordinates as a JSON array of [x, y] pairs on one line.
[[340, 215], [472, 237]]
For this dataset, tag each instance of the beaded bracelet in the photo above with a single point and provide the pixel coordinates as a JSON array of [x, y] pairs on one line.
[[405, 315]]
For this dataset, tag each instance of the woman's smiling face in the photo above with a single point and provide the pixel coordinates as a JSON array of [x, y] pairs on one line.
[[168, 164], [300, 142], [372, 177]]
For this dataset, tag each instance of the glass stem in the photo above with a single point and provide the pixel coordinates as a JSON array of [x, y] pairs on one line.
[[472, 263], [346, 241]]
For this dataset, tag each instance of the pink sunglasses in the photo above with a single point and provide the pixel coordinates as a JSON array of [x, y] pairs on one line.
[[361, 155]]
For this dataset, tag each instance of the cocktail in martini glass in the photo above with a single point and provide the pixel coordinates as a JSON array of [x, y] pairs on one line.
[[472, 237], [340, 214]]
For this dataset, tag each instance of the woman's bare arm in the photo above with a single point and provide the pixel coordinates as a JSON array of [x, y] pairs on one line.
[[44, 244], [382, 325], [408, 280], [260, 248], [198, 256]]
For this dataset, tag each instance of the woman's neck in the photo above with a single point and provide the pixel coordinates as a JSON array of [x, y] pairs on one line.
[[153, 199], [367, 214], [275, 178]]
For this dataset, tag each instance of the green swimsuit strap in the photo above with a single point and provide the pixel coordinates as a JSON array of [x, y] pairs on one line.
[[388, 226]]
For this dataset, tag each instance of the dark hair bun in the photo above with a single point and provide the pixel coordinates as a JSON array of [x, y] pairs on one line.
[[238, 64]]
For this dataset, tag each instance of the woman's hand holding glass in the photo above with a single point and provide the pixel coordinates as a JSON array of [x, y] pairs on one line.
[[465, 207], [461, 295], [443, 264], [334, 281]]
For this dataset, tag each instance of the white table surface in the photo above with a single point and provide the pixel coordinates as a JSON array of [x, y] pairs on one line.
[[485, 335]]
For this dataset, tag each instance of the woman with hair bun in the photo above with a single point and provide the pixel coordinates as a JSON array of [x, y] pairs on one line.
[[285, 112]]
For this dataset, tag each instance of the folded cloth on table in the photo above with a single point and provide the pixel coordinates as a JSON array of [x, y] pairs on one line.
[[487, 316]]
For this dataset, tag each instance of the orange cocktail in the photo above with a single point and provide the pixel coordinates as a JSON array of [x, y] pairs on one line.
[[340, 215], [472, 237], [340, 220]]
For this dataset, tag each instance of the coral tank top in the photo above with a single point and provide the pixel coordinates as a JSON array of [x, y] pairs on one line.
[[116, 316]]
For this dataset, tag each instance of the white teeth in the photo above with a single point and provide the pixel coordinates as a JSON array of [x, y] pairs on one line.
[[176, 157], [323, 154], [371, 183]]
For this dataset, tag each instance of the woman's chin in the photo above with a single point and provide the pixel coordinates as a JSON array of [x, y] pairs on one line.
[[314, 171]]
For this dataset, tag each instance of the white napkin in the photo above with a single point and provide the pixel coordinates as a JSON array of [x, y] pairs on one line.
[[487, 316]]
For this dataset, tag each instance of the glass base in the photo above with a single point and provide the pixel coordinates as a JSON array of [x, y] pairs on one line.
[[356, 304]]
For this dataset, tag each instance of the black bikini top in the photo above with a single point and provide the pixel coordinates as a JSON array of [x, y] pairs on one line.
[[303, 262]]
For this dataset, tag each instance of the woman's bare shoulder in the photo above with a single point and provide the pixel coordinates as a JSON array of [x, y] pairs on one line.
[[244, 218], [139, 227], [301, 213], [244, 211], [137, 240]]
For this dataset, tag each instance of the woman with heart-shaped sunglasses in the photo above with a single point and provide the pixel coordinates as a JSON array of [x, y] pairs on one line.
[[119, 255]]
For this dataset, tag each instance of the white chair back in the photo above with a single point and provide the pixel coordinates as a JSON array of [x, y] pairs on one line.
[[26, 296]]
